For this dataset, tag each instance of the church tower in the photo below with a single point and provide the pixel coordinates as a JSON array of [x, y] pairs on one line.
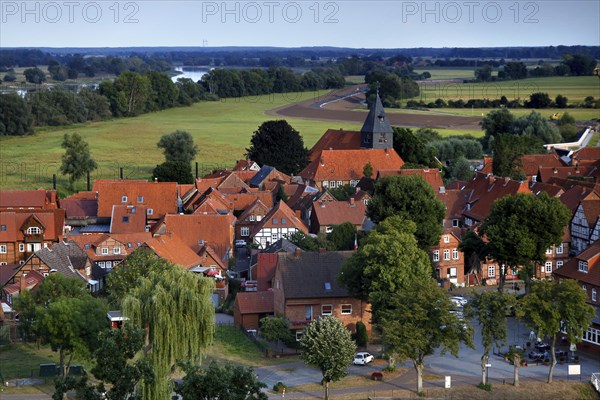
[[376, 132]]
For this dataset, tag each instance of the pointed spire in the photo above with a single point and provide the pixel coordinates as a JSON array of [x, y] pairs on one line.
[[376, 121]]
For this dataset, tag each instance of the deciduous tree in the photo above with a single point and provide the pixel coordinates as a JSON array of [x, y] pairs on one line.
[[552, 306], [328, 345], [277, 144], [178, 146], [77, 160], [413, 199]]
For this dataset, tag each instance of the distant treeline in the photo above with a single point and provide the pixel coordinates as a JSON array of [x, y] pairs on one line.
[[536, 100]]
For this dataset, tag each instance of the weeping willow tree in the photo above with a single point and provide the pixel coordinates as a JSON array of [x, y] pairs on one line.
[[175, 309]]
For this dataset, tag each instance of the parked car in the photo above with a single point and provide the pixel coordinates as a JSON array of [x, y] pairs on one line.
[[362, 358], [535, 356], [541, 346], [458, 301], [240, 243]]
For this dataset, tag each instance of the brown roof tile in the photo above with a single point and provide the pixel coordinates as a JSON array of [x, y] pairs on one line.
[[41, 198], [52, 220], [255, 302], [242, 200], [161, 197], [571, 268], [265, 269], [530, 163], [80, 205], [335, 140], [128, 219], [281, 210], [545, 173], [430, 175], [337, 212], [174, 250], [455, 202], [346, 165]]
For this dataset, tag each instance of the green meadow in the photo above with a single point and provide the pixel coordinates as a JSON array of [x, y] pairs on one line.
[[221, 129]]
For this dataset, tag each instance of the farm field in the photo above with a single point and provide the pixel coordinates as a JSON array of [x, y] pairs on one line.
[[222, 130], [577, 113], [448, 72]]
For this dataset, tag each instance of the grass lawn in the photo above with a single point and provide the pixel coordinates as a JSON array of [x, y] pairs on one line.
[[22, 360], [351, 381], [221, 129], [448, 72], [233, 346]]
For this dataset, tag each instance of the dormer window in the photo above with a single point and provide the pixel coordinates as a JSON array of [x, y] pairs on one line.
[[251, 218], [275, 221], [140, 199], [124, 199], [149, 211], [3, 228], [125, 218], [583, 266], [33, 230], [446, 239]]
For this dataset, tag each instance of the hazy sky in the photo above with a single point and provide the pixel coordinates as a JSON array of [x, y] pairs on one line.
[[350, 23]]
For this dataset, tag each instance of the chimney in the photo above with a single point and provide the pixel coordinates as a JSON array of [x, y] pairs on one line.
[[155, 180], [491, 178], [386, 151], [23, 282], [322, 161], [352, 202], [297, 252], [555, 170], [322, 204]]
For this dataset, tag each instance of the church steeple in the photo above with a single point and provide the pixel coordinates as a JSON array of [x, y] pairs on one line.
[[377, 132]]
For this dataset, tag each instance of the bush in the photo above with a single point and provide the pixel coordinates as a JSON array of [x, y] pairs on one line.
[[487, 387], [361, 337], [279, 386]]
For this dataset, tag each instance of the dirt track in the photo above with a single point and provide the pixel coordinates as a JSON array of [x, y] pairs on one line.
[[345, 110]]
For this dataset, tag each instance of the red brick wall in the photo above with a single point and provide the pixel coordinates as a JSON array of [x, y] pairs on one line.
[[443, 265], [295, 311]]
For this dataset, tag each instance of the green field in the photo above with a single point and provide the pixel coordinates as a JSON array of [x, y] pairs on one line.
[[575, 88], [221, 129], [577, 113], [448, 72]]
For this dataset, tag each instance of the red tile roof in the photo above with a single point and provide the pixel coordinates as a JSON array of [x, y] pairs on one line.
[[202, 184], [245, 165], [174, 250], [545, 173], [41, 198], [242, 200], [573, 196], [530, 163], [571, 268], [128, 219], [591, 207], [161, 197], [335, 140], [213, 229], [337, 212], [430, 175], [483, 190], [52, 220], [7, 272], [80, 205], [346, 165], [586, 154], [552, 190], [455, 202], [266, 265], [255, 302]]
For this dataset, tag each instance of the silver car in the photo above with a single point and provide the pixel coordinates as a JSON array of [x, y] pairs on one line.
[[362, 358]]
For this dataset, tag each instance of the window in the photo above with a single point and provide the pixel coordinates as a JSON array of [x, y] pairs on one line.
[[455, 254], [549, 251], [366, 201], [259, 218], [455, 223], [108, 265], [594, 294], [33, 230], [340, 183], [332, 184], [548, 267], [326, 309], [353, 183], [125, 218], [583, 266], [275, 221], [325, 184], [101, 264], [245, 231], [559, 249], [559, 264], [346, 309], [3, 249], [327, 285], [124, 199], [149, 211], [299, 335], [446, 255], [491, 271], [21, 247], [451, 272], [251, 218], [105, 250], [140, 199], [328, 229], [87, 246], [446, 239], [283, 221], [3, 228], [116, 250], [584, 288], [436, 255], [3, 263], [308, 313], [274, 237]]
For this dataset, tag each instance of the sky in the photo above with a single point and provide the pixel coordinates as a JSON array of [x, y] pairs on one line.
[[348, 23]]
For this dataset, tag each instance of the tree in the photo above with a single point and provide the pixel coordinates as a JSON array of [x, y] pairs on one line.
[[387, 260], [132, 91], [417, 321], [170, 305], [561, 101], [163, 92], [460, 170], [178, 146], [16, 118], [277, 144], [275, 329], [342, 193], [412, 149], [411, 198], [579, 64], [77, 160], [368, 170], [521, 228], [215, 382], [328, 345], [342, 236], [173, 171], [538, 100], [361, 337], [136, 266], [496, 122], [551, 307], [309, 242], [34, 75], [515, 70], [508, 152], [490, 310], [484, 73]]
